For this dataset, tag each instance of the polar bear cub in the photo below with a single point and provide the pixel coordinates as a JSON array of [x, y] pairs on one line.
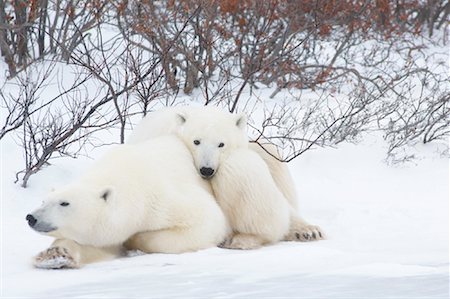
[[147, 196], [241, 181], [258, 212], [212, 135]]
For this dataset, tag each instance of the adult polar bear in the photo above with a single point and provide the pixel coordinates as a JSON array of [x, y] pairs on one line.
[[215, 137], [147, 194]]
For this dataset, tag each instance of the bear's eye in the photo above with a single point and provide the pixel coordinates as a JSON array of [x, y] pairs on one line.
[[64, 204], [221, 144], [196, 142]]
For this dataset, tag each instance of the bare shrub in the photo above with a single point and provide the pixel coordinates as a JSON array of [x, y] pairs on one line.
[[335, 69]]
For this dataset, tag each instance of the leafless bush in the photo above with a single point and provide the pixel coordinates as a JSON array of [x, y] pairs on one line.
[[107, 73], [20, 104], [421, 115], [393, 86], [335, 69], [31, 30], [48, 126]]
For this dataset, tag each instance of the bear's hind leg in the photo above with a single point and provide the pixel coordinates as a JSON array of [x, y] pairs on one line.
[[243, 241], [173, 240]]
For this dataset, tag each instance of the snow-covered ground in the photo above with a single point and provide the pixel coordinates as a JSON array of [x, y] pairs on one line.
[[387, 236]]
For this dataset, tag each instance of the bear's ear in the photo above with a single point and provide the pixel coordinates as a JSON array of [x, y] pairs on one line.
[[241, 121], [181, 118], [106, 194]]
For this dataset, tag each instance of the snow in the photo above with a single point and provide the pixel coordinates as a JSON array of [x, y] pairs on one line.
[[387, 236]]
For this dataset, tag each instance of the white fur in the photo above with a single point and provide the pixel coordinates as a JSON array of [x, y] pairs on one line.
[[151, 190], [202, 121], [242, 184], [155, 124], [247, 194], [212, 127], [266, 184]]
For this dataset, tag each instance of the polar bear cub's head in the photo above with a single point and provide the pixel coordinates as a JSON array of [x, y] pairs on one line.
[[211, 134], [79, 213]]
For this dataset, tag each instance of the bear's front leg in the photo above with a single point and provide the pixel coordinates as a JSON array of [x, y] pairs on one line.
[[55, 258], [68, 254]]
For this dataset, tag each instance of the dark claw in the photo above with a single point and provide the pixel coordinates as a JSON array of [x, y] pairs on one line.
[[224, 243], [320, 235], [314, 235], [297, 235], [306, 236]]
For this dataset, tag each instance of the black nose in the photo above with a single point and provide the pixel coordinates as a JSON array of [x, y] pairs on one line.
[[206, 172], [31, 220]]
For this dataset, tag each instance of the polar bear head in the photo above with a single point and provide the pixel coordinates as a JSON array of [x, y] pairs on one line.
[[211, 134], [84, 214]]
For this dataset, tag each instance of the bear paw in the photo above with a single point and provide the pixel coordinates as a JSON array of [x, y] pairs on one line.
[[55, 258], [241, 241], [305, 234]]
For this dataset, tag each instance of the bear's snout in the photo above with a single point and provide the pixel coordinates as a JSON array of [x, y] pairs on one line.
[[31, 220], [39, 225], [206, 172]]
